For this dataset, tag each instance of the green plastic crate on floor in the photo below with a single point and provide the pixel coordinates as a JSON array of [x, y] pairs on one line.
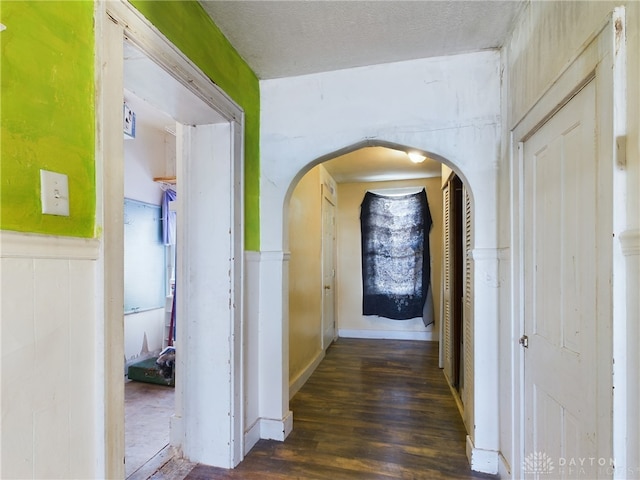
[[146, 371]]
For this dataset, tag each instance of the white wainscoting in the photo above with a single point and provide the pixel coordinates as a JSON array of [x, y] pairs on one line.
[[250, 340], [48, 371]]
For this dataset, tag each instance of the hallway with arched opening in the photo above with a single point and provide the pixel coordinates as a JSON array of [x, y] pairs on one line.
[[307, 281], [293, 143]]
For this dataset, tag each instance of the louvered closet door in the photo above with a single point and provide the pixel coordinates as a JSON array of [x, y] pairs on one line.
[[448, 290], [466, 380]]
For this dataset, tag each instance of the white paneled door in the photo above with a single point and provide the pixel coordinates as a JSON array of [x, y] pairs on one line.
[[562, 293]]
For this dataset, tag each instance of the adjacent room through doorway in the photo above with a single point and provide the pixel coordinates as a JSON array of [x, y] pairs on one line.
[[149, 266]]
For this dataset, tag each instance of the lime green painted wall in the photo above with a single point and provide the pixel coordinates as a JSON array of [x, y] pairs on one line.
[[48, 105], [47, 113], [187, 25]]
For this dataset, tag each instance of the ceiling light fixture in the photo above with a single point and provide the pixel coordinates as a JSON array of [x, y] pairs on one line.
[[416, 157]]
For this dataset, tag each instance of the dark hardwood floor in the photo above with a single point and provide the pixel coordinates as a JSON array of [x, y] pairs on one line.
[[373, 409]]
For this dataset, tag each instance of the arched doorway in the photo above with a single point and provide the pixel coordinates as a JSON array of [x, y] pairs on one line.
[[486, 261], [481, 396], [342, 182], [470, 395], [307, 120], [324, 242]]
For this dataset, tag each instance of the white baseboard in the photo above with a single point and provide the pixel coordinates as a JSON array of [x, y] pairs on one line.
[[251, 436], [484, 461], [388, 334], [302, 378], [272, 429]]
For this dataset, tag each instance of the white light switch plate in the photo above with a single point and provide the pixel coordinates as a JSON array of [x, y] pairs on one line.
[[54, 193]]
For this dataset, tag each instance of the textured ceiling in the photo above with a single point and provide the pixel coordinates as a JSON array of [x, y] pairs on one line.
[[288, 38], [296, 37]]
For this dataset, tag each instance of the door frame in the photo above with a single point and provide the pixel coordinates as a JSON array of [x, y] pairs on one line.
[[453, 192], [115, 21], [328, 197], [602, 59]]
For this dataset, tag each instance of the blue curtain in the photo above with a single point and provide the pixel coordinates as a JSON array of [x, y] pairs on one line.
[[396, 267]]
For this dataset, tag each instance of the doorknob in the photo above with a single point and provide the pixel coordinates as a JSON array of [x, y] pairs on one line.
[[524, 341], [327, 287]]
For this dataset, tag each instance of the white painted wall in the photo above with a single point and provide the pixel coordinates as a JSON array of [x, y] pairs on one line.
[[349, 316], [143, 334], [145, 157], [546, 38], [150, 154], [449, 106]]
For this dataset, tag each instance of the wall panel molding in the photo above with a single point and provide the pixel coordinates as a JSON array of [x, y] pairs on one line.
[[630, 242], [29, 245]]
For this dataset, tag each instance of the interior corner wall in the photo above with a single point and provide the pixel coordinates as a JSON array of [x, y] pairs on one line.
[[305, 274], [350, 319], [546, 37]]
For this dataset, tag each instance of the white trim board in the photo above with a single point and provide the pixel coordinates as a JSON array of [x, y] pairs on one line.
[[388, 335], [276, 429], [486, 461], [630, 242], [155, 45], [252, 436], [30, 245]]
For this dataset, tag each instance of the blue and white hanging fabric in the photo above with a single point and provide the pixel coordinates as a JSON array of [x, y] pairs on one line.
[[168, 218], [396, 268]]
